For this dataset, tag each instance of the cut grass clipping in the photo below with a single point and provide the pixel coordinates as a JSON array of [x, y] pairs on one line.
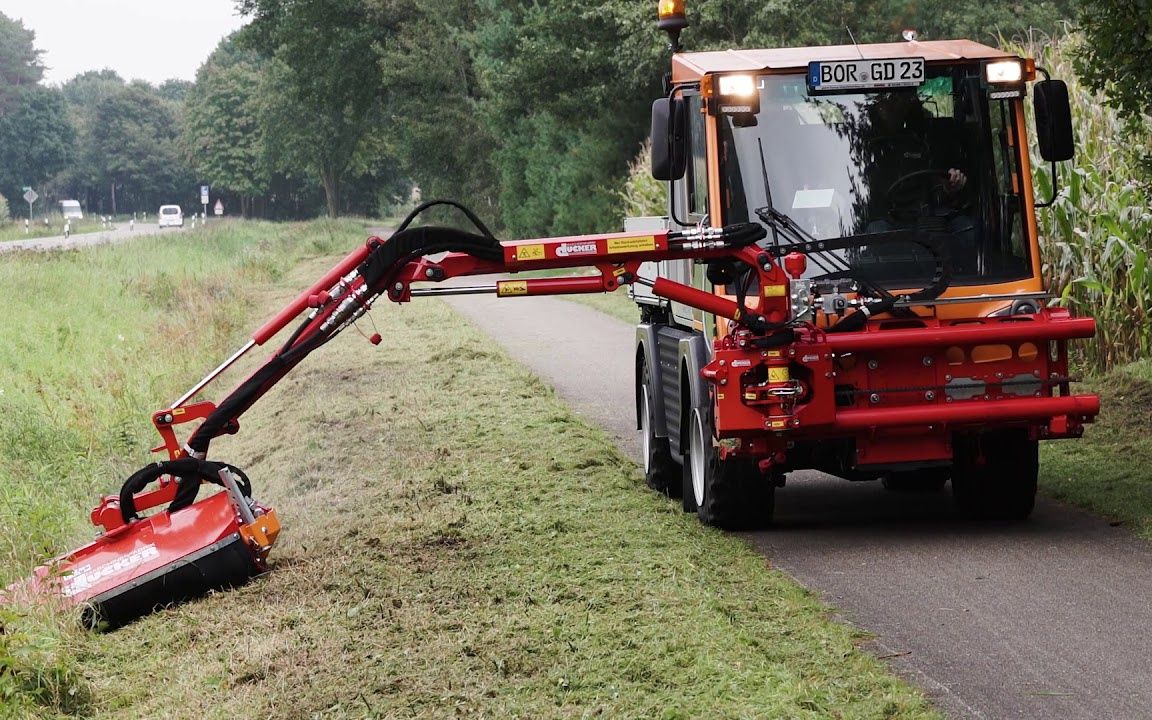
[[456, 542]]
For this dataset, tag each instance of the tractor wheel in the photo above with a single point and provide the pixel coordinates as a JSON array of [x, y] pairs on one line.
[[994, 475], [729, 494], [925, 480], [660, 471]]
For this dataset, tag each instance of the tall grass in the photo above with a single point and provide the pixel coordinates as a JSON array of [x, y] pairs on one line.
[[93, 342], [1095, 239]]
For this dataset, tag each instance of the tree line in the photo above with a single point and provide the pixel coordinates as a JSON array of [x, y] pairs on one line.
[[528, 112]]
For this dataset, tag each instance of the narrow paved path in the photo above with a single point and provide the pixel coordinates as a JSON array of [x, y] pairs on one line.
[[119, 233], [1050, 619]]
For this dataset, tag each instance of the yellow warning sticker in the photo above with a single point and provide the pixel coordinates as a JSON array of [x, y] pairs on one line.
[[774, 353], [508, 288], [530, 252], [619, 270], [179, 411], [777, 424], [632, 244], [778, 375], [775, 290]]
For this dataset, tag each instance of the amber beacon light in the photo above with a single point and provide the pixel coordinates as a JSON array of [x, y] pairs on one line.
[[672, 20]]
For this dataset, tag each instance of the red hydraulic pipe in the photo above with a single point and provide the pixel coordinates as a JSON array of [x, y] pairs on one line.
[[969, 411], [551, 286], [705, 301], [998, 332], [285, 316]]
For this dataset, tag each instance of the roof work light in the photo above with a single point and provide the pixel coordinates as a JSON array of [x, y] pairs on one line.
[[1004, 72], [737, 95]]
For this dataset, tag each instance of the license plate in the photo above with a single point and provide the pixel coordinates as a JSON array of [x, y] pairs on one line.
[[842, 75]]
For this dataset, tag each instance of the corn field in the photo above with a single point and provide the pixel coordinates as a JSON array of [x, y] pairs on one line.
[[1095, 239]]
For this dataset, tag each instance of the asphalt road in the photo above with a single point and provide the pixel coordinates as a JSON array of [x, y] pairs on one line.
[[1049, 619], [119, 233]]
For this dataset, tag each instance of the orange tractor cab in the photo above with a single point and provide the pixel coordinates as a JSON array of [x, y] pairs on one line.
[[847, 279], [914, 339]]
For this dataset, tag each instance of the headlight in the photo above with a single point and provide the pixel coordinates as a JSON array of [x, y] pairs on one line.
[[1004, 71]]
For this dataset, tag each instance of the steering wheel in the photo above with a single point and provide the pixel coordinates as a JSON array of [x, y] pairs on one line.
[[908, 202]]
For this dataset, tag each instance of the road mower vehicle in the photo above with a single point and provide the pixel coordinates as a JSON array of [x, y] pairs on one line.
[[847, 279]]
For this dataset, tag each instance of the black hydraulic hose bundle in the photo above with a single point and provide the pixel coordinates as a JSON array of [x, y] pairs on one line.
[[190, 472]]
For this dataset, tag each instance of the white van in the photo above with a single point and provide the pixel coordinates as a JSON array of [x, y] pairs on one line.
[[171, 216], [70, 209]]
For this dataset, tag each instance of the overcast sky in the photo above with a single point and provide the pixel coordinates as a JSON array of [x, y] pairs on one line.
[[153, 40]]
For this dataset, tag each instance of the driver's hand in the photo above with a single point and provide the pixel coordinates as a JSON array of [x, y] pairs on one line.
[[955, 180]]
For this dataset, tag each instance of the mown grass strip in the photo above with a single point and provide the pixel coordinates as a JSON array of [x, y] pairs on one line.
[[457, 543], [1107, 471]]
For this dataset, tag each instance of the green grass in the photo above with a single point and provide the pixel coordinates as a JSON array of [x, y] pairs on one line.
[[456, 541], [95, 341], [14, 230], [1107, 471]]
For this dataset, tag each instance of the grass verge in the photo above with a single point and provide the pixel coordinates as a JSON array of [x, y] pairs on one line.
[[457, 543], [94, 341], [1107, 471]]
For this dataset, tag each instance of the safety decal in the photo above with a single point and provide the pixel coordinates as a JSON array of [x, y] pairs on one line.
[[530, 252], [777, 425], [507, 288], [632, 244], [775, 290], [778, 375]]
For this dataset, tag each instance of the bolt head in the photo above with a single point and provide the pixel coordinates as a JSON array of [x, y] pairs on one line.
[[873, 364], [927, 361], [874, 398]]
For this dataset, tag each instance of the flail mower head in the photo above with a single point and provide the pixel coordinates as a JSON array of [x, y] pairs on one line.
[[179, 553]]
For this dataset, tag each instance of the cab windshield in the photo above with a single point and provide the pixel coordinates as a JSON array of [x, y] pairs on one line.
[[939, 160]]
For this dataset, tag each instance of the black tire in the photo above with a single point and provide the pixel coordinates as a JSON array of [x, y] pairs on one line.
[[661, 473], [994, 475], [729, 494], [926, 480]]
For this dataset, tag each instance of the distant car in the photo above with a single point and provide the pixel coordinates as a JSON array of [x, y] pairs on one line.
[[171, 216], [70, 209]]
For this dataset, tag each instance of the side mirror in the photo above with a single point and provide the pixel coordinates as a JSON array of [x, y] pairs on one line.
[[669, 143], [1053, 120]]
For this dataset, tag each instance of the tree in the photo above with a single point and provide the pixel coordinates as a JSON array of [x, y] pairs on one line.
[[223, 132], [136, 152], [328, 87], [1115, 55], [19, 60], [36, 139]]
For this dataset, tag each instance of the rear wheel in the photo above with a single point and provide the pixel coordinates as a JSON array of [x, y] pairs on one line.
[[660, 471], [730, 494], [994, 474]]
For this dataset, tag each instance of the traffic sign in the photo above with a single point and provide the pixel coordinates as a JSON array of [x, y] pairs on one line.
[[219, 209], [203, 194], [30, 196]]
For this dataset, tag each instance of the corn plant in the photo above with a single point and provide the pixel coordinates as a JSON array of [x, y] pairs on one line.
[[1095, 238]]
